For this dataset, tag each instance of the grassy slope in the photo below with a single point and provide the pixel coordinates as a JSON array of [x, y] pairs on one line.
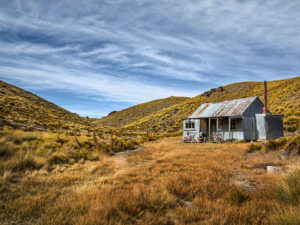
[[134, 113], [21, 108], [283, 98]]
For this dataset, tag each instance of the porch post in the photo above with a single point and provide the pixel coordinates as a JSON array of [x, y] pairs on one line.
[[217, 124], [229, 127], [199, 126], [208, 129]]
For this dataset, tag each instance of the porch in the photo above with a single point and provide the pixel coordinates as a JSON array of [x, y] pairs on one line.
[[213, 129]]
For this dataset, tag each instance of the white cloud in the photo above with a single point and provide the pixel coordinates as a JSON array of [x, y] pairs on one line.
[[137, 50]]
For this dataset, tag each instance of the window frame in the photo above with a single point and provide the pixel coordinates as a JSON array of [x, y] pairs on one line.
[[190, 124]]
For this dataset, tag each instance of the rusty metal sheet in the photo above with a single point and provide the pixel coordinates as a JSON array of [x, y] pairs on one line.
[[232, 108]]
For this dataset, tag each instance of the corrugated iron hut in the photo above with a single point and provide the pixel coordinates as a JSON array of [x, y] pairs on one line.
[[239, 119]]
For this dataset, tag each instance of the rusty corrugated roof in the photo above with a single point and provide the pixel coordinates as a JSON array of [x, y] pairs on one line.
[[233, 108]]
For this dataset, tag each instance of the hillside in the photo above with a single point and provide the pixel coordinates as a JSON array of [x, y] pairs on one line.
[[283, 98], [134, 113], [19, 108]]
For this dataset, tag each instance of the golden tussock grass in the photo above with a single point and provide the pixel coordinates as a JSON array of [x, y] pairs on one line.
[[166, 182]]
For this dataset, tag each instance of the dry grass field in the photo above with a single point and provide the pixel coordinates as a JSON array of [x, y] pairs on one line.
[[163, 182]]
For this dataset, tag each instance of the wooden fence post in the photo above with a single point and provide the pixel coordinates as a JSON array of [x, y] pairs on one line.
[[96, 142]]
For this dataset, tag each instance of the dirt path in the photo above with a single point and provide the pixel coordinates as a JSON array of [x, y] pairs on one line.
[[120, 160]]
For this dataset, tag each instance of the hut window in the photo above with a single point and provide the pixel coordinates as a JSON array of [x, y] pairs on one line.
[[189, 124], [232, 124]]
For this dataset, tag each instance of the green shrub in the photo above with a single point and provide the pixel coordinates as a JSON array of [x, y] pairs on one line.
[[91, 156], [6, 149], [237, 197], [27, 162], [274, 145], [65, 127], [254, 147], [19, 138], [294, 144], [58, 158], [291, 128]]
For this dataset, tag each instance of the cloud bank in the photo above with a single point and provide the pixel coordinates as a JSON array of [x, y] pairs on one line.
[[112, 54]]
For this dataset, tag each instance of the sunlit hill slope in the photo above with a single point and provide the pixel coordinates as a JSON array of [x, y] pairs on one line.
[[283, 98], [22, 109], [137, 112]]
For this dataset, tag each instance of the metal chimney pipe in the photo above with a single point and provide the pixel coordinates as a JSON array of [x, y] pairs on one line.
[[265, 109]]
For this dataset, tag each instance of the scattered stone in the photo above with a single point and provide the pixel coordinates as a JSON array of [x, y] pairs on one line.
[[93, 169], [175, 111], [112, 112], [220, 89], [284, 154], [81, 161], [61, 169], [273, 169], [243, 181], [187, 203], [208, 93]]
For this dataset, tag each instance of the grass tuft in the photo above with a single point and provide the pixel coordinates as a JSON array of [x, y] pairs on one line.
[[254, 147], [58, 158], [288, 189], [237, 197]]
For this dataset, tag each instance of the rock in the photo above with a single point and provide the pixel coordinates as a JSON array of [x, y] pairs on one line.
[[273, 169], [207, 93], [187, 203], [81, 161], [62, 169], [112, 112], [220, 89], [175, 111], [93, 169]]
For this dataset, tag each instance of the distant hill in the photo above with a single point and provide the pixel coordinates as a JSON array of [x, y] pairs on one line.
[[22, 109], [283, 98], [126, 116], [19, 108]]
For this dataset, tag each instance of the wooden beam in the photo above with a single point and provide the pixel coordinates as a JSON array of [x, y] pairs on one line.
[[209, 129], [229, 123], [217, 124], [199, 126]]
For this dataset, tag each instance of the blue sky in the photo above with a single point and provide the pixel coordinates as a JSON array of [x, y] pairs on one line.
[[92, 56]]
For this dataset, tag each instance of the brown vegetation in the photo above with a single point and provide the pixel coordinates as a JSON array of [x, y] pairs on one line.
[[167, 182]]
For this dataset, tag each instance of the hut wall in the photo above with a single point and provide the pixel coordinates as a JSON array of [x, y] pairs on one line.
[[274, 126], [256, 107], [249, 128], [194, 132], [236, 133], [269, 126]]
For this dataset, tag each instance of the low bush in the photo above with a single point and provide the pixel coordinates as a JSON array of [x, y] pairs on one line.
[[6, 149], [254, 147], [24, 163], [237, 197], [275, 145], [294, 144], [19, 137], [58, 158]]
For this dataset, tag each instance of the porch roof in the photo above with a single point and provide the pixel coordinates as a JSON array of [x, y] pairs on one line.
[[233, 108]]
